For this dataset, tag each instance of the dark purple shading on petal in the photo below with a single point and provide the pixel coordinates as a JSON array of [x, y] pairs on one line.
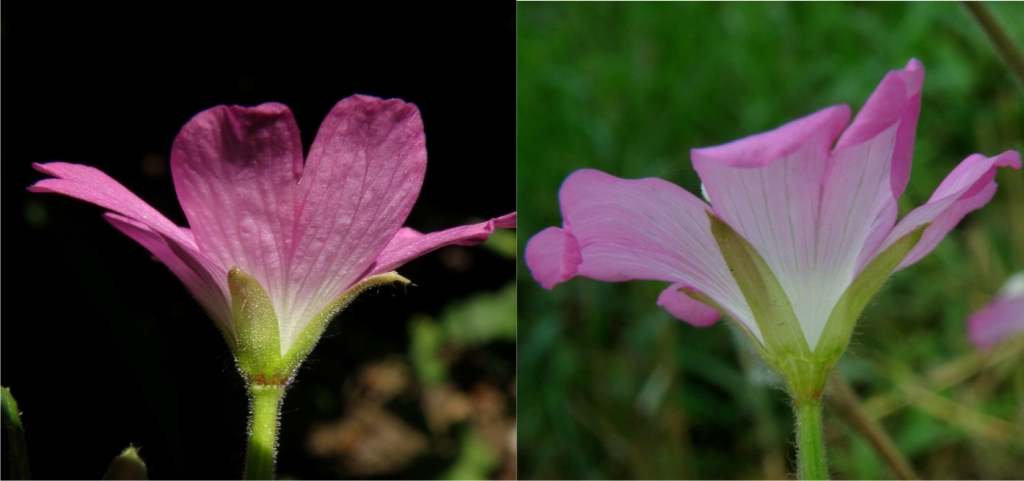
[[236, 171]]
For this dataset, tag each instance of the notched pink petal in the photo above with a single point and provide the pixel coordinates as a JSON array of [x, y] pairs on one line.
[[968, 187], [686, 308], [236, 171], [363, 174], [553, 256], [409, 244]]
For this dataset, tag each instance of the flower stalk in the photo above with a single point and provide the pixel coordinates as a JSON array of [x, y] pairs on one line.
[[810, 438], [264, 414]]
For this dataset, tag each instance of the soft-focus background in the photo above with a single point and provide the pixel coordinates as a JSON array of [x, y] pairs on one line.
[[103, 347], [611, 386]]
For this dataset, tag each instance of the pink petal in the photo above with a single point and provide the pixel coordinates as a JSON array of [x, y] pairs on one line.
[[553, 256], [1001, 318], [969, 186], [858, 207], [769, 187], [408, 244], [361, 179], [640, 229], [208, 285], [878, 144], [93, 186], [896, 99], [812, 134], [687, 309], [174, 246], [236, 171]]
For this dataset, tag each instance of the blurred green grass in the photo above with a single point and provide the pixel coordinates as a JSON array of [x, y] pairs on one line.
[[610, 386]]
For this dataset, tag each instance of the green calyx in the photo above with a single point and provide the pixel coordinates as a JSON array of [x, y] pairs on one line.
[[257, 330], [309, 336], [258, 350], [783, 343], [848, 309]]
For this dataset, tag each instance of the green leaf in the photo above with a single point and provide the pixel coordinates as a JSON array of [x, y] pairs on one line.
[[128, 465], [848, 309], [17, 451], [259, 341]]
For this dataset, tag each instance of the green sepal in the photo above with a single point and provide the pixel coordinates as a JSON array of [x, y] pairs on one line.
[[17, 452], [848, 309], [259, 342], [780, 330], [309, 336], [128, 465]]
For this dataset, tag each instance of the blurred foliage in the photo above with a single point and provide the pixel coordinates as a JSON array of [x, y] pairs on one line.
[[447, 411], [611, 386], [480, 319]]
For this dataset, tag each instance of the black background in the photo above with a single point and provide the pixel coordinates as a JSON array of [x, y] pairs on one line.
[[103, 347]]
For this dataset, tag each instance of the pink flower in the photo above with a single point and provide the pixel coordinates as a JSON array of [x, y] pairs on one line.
[[817, 210], [1001, 318], [307, 232]]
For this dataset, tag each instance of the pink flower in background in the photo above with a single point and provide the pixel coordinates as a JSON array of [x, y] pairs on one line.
[[306, 231], [1001, 318], [818, 210]]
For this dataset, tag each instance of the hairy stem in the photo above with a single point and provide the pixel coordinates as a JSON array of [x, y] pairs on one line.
[[810, 438], [265, 408]]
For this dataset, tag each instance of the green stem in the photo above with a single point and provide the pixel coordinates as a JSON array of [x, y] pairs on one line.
[[265, 406], [810, 439]]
